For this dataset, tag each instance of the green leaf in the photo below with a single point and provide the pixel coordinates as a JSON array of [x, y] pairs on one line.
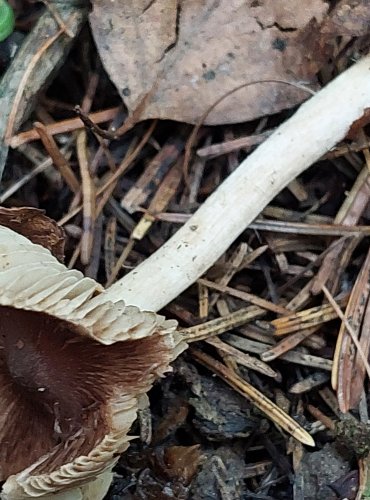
[[6, 20]]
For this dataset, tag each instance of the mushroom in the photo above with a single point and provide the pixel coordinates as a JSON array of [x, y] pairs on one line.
[[73, 366]]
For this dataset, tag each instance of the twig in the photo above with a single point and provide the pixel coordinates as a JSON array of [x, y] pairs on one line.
[[92, 126], [63, 126]]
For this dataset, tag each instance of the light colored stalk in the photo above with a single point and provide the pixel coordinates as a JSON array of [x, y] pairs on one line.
[[316, 127]]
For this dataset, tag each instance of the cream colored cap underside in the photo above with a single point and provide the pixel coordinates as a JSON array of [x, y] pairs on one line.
[[31, 278]]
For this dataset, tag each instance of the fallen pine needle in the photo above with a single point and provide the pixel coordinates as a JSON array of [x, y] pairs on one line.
[[271, 410], [221, 325]]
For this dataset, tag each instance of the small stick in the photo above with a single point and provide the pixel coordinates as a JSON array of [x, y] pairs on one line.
[[93, 127], [63, 126]]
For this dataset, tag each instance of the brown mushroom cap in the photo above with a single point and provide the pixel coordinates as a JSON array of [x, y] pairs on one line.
[[72, 366]]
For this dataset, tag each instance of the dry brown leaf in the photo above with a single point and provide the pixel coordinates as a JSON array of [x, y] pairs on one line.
[[197, 51], [182, 462], [349, 17], [36, 226]]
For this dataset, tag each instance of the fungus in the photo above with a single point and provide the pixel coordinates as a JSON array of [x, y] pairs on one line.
[[72, 367]]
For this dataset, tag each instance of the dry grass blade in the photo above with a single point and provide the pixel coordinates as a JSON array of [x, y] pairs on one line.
[[41, 167], [221, 325], [54, 12], [271, 410], [349, 368]]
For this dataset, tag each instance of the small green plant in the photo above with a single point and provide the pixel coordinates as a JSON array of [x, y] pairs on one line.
[[6, 20]]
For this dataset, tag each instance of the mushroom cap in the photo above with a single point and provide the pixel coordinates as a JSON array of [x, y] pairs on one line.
[[73, 364]]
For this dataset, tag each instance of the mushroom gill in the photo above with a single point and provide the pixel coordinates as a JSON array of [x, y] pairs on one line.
[[72, 367]]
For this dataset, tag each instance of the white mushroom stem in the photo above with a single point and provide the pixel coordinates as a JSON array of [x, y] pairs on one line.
[[316, 127]]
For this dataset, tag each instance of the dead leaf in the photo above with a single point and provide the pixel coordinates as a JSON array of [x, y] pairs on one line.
[[37, 227], [349, 17], [182, 462], [197, 51], [170, 473]]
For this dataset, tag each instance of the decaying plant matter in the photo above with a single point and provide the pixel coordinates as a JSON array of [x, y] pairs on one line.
[[72, 367]]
